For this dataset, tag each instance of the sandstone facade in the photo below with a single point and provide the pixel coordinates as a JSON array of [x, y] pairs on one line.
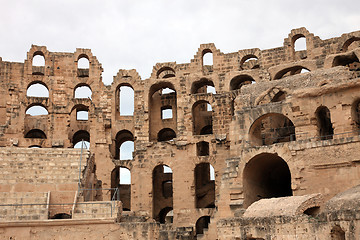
[[216, 146]]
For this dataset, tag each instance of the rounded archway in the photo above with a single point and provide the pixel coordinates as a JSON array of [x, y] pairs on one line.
[[272, 128], [121, 186], [266, 176], [124, 144], [81, 139], [162, 192], [166, 134]]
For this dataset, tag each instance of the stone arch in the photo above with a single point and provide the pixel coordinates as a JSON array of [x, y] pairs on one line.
[[271, 128], [202, 118], [274, 94], [162, 192], [82, 90], [207, 62], [74, 114], [324, 124], [37, 89], [166, 134], [201, 224], [38, 63], [348, 60], [201, 86], [293, 70], [79, 136], [348, 42], [35, 133], [249, 61], [204, 186], [161, 94], [121, 186], [289, 43], [165, 72], [124, 99], [266, 175], [240, 80], [83, 65], [122, 137], [36, 109]]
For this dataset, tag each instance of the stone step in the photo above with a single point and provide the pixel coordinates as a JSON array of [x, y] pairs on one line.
[[96, 209]]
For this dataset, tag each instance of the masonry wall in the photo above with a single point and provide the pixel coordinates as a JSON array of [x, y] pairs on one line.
[[297, 108]]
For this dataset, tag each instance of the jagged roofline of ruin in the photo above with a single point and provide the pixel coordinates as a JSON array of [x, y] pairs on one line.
[[312, 42]]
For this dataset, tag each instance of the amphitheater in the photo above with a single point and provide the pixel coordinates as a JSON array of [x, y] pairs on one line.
[[254, 144]]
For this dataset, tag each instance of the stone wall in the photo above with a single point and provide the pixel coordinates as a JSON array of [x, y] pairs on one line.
[[281, 122]]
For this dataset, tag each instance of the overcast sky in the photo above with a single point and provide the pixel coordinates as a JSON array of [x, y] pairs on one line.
[[133, 34]]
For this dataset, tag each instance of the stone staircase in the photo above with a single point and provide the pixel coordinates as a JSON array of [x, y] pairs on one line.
[[96, 209], [15, 206]]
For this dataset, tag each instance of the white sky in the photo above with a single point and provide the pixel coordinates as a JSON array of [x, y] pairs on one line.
[[137, 34]]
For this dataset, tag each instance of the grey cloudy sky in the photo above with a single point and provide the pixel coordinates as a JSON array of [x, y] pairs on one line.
[[127, 34]]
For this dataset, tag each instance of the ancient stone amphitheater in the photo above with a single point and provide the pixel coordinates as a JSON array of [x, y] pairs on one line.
[[254, 144]]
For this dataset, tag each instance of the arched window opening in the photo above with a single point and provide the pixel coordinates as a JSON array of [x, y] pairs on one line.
[[82, 115], [162, 193], [240, 81], [166, 134], [351, 44], [290, 72], [83, 66], [202, 148], [280, 96], [325, 127], [208, 59], [124, 143], [38, 60], [81, 139], [61, 216], [201, 224], [38, 64], [350, 61], [337, 233], [37, 90], [34, 146], [83, 63], [202, 118], [126, 98], [121, 185], [272, 128], [266, 176], [299, 43], [356, 114], [35, 133], [165, 72], [166, 215], [204, 186], [166, 112], [162, 111], [82, 91], [36, 110], [203, 86], [249, 62], [126, 150]]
